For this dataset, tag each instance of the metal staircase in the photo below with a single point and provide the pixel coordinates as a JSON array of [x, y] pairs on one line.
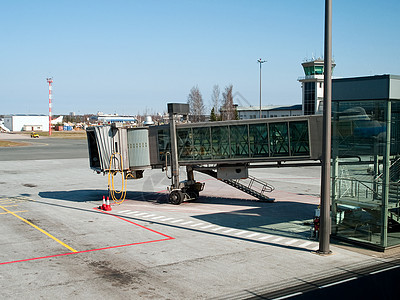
[[251, 185]]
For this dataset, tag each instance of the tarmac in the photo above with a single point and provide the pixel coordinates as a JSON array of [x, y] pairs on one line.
[[56, 243]]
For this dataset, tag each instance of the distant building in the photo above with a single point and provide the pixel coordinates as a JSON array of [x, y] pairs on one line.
[[108, 119], [22, 122], [271, 111]]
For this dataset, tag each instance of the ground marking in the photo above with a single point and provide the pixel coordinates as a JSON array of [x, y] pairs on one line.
[[337, 282], [218, 228], [187, 223], [166, 219], [305, 244], [159, 217], [41, 230], [253, 234], [176, 221], [4, 213], [288, 296], [207, 226], [123, 211], [140, 214], [383, 270], [291, 242], [150, 215], [198, 224], [265, 237], [229, 230], [278, 239], [131, 213], [241, 232]]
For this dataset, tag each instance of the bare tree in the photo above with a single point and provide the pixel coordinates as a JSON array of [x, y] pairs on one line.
[[196, 105], [228, 109], [215, 100]]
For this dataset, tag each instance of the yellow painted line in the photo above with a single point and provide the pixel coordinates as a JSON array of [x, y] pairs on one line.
[[10, 205], [41, 230], [4, 213]]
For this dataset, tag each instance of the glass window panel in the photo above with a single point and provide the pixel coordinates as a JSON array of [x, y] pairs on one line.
[[239, 141], [299, 141], [279, 140], [164, 145], [220, 142], [201, 143], [258, 140], [184, 140]]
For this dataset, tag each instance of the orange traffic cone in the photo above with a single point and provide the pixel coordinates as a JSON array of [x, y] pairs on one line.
[[104, 204], [108, 206]]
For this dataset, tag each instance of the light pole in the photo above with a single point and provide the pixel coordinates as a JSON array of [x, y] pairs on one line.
[[260, 61], [325, 220]]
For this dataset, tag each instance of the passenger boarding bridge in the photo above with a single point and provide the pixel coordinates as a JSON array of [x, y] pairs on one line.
[[224, 150]]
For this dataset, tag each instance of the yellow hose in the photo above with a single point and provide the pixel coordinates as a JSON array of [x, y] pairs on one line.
[[111, 175]]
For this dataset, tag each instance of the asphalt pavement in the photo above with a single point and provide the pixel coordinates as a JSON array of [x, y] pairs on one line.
[[56, 243]]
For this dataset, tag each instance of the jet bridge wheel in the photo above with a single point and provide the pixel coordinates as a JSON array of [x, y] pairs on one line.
[[176, 197]]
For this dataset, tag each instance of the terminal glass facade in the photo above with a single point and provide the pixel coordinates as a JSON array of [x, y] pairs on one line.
[[366, 171]]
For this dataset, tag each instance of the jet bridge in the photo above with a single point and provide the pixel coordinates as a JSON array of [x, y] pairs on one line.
[[224, 150]]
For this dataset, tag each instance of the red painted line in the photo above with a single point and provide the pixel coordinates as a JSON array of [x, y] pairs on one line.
[[167, 237], [84, 251], [141, 226]]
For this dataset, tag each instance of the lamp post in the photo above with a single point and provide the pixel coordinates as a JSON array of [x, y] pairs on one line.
[[260, 61], [325, 221]]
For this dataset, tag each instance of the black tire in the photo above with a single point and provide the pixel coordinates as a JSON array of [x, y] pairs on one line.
[[176, 197]]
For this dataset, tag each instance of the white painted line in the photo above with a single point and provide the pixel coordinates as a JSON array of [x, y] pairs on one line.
[[207, 226], [166, 219], [265, 237], [176, 221], [150, 215], [278, 239], [241, 232], [305, 244], [218, 228], [253, 234], [123, 211], [198, 224], [229, 230], [188, 222], [383, 270], [140, 214], [291, 242], [288, 296], [337, 282], [131, 213], [315, 248], [146, 215], [159, 217]]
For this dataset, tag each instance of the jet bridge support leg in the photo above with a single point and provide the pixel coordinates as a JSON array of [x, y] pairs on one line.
[[189, 189]]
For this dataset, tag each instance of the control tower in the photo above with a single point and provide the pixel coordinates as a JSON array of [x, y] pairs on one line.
[[313, 86]]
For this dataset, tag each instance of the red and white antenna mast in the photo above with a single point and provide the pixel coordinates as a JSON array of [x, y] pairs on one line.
[[49, 81]]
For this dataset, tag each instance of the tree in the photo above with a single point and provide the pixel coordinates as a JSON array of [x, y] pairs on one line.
[[228, 109], [215, 101], [213, 116], [196, 105]]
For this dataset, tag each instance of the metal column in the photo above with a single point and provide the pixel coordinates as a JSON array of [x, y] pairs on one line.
[[386, 177], [325, 220], [174, 153]]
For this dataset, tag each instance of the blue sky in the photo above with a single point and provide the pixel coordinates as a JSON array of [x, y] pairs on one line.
[[130, 57]]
